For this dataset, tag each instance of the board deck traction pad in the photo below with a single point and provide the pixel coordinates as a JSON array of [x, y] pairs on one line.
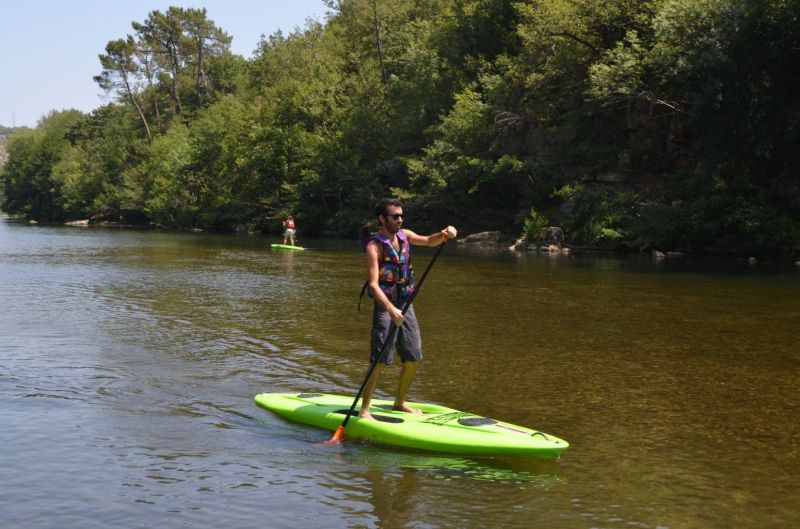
[[551, 446]]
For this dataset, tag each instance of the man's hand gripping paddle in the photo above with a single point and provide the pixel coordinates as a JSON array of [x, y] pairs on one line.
[[338, 435]]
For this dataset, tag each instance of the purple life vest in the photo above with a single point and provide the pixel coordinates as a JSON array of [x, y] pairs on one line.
[[395, 271], [395, 268]]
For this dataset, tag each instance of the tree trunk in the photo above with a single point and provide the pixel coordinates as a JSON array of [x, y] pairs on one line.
[[377, 27], [137, 106]]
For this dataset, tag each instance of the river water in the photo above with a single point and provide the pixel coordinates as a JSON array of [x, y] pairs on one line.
[[129, 359]]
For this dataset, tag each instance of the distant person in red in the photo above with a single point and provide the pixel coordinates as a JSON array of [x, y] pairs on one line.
[[288, 233]]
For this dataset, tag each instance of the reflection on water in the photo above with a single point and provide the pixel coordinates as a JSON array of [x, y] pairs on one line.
[[511, 470], [129, 361]]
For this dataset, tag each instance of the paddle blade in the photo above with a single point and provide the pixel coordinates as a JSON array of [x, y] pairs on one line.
[[337, 438]]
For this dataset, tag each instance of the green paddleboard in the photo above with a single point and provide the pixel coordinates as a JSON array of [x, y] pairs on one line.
[[286, 247], [437, 429]]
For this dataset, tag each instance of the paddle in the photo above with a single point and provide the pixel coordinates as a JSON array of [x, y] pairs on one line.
[[338, 435]]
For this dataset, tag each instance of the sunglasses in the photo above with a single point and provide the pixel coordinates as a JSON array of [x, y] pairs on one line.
[[396, 216]]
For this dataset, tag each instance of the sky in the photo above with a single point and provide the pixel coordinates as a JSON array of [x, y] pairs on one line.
[[49, 48]]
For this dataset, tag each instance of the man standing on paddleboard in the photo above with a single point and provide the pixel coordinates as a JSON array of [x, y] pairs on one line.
[[390, 281]]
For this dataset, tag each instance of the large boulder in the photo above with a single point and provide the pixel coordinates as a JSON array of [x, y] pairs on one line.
[[484, 239]]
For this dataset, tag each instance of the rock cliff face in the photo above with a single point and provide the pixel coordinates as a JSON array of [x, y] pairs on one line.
[[5, 133], [3, 155]]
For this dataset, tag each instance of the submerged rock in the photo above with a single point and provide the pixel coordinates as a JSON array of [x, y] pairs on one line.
[[519, 245]]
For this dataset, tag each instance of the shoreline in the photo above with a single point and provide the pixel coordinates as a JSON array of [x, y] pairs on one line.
[[500, 243]]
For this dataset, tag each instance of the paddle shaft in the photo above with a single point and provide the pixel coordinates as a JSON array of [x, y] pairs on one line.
[[390, 337]]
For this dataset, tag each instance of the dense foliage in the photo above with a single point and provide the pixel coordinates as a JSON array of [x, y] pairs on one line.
[[653, 123]]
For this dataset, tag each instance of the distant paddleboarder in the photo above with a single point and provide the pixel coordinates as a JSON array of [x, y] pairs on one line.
[[390, 282], [288, 231]]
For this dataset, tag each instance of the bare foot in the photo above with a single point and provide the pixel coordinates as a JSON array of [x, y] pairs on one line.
[[404, 407], [365, 414]]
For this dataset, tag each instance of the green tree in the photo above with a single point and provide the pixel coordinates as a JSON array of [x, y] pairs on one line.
[[121, 74], [182, 43], [714, 73], [171, 197], [111, 147], [204, 42], [29, 186], [221, 167]]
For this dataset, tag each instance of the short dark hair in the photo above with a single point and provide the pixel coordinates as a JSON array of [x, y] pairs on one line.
[[383, 205]]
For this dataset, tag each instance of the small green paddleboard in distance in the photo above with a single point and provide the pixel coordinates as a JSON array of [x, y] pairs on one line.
[[437, 429], [286, 247]]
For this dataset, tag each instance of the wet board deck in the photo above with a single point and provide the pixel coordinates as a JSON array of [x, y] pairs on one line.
[[437, 429]]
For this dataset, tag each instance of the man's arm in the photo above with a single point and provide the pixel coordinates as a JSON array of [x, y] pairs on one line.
[[434, 239]]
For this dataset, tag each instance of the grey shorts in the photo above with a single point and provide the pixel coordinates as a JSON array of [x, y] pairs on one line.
[[408, 341]]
